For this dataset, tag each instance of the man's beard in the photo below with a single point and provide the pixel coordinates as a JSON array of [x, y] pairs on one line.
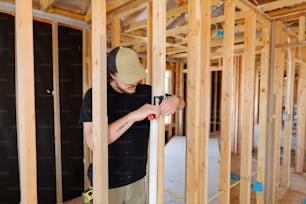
[[129, 88]]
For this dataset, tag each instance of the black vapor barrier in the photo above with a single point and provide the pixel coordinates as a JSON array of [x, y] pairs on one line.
[[70, 71]]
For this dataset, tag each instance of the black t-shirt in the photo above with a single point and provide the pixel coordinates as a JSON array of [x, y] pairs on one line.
[[127, 155]]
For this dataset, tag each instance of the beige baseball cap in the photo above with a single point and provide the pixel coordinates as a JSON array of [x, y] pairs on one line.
[[125, 63]]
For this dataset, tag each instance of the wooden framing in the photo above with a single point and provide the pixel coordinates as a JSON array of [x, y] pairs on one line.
[[236, 137], [87, 83], [301, 120], [196, 44], [99, 106], [290, 75], [227, 105], [158, 85], [116, 30], [247, 107], [198, 112], [269, 151], [25, 102], [149, 43], [278, 91], [57, 116], [179, 126], [301, 102], [263, 110], [43, 16]]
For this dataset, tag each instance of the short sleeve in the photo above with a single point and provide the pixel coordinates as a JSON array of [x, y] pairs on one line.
[[86, 108]]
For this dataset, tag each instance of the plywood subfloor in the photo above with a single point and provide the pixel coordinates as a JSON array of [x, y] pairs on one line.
[[296, 194], [297, 191]]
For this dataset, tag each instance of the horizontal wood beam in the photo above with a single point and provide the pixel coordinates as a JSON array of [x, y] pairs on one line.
[[46, 4], [246, 5], [115, 4], [287, 10], [66, 13], [45, 16], [294, 44], [143, 23], [293, 16], [127, 9], [279, 4]]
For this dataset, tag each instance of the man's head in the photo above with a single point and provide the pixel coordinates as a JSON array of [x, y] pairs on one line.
[[125, 64], [124, 69]]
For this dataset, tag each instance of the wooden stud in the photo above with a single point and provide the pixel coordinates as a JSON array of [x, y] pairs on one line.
[[247, 107], [149, 75], [99, 106], [215, 101], [301, 118], [227, 105], [158, 82], [289, 97], [179, 90], [302, 28], [149, 42], [25, 102], [236, 137], [278, 91], [301, 103], [269, 155], [198, 112], [116, 30], [205, 105], [87, 72], [57, 115], [87, 83], [256, 97], [263, 110]]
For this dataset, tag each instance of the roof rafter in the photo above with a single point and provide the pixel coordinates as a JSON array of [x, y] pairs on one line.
[[46, 4], [279, 4]]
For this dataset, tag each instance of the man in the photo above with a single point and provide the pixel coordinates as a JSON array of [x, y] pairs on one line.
[[128, 106]]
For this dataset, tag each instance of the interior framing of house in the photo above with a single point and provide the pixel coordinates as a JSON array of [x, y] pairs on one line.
[[257, 47]]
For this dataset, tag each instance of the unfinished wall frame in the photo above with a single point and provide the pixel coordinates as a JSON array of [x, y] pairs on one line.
[[242, 89]]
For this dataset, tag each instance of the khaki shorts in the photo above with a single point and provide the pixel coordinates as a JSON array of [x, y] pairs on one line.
[[133, 193]]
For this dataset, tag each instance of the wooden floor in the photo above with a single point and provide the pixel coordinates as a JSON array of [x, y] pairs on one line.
[[297, 191]]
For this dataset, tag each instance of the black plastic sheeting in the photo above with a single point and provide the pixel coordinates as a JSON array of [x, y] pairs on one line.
[[70, 60], [70, 63], [9, 176], [44, 112]]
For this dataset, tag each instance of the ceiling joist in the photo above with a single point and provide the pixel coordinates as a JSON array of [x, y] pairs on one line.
[[279, 4], [46, 4]]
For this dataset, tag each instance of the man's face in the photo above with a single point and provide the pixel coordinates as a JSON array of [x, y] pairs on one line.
[[122, 87]]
